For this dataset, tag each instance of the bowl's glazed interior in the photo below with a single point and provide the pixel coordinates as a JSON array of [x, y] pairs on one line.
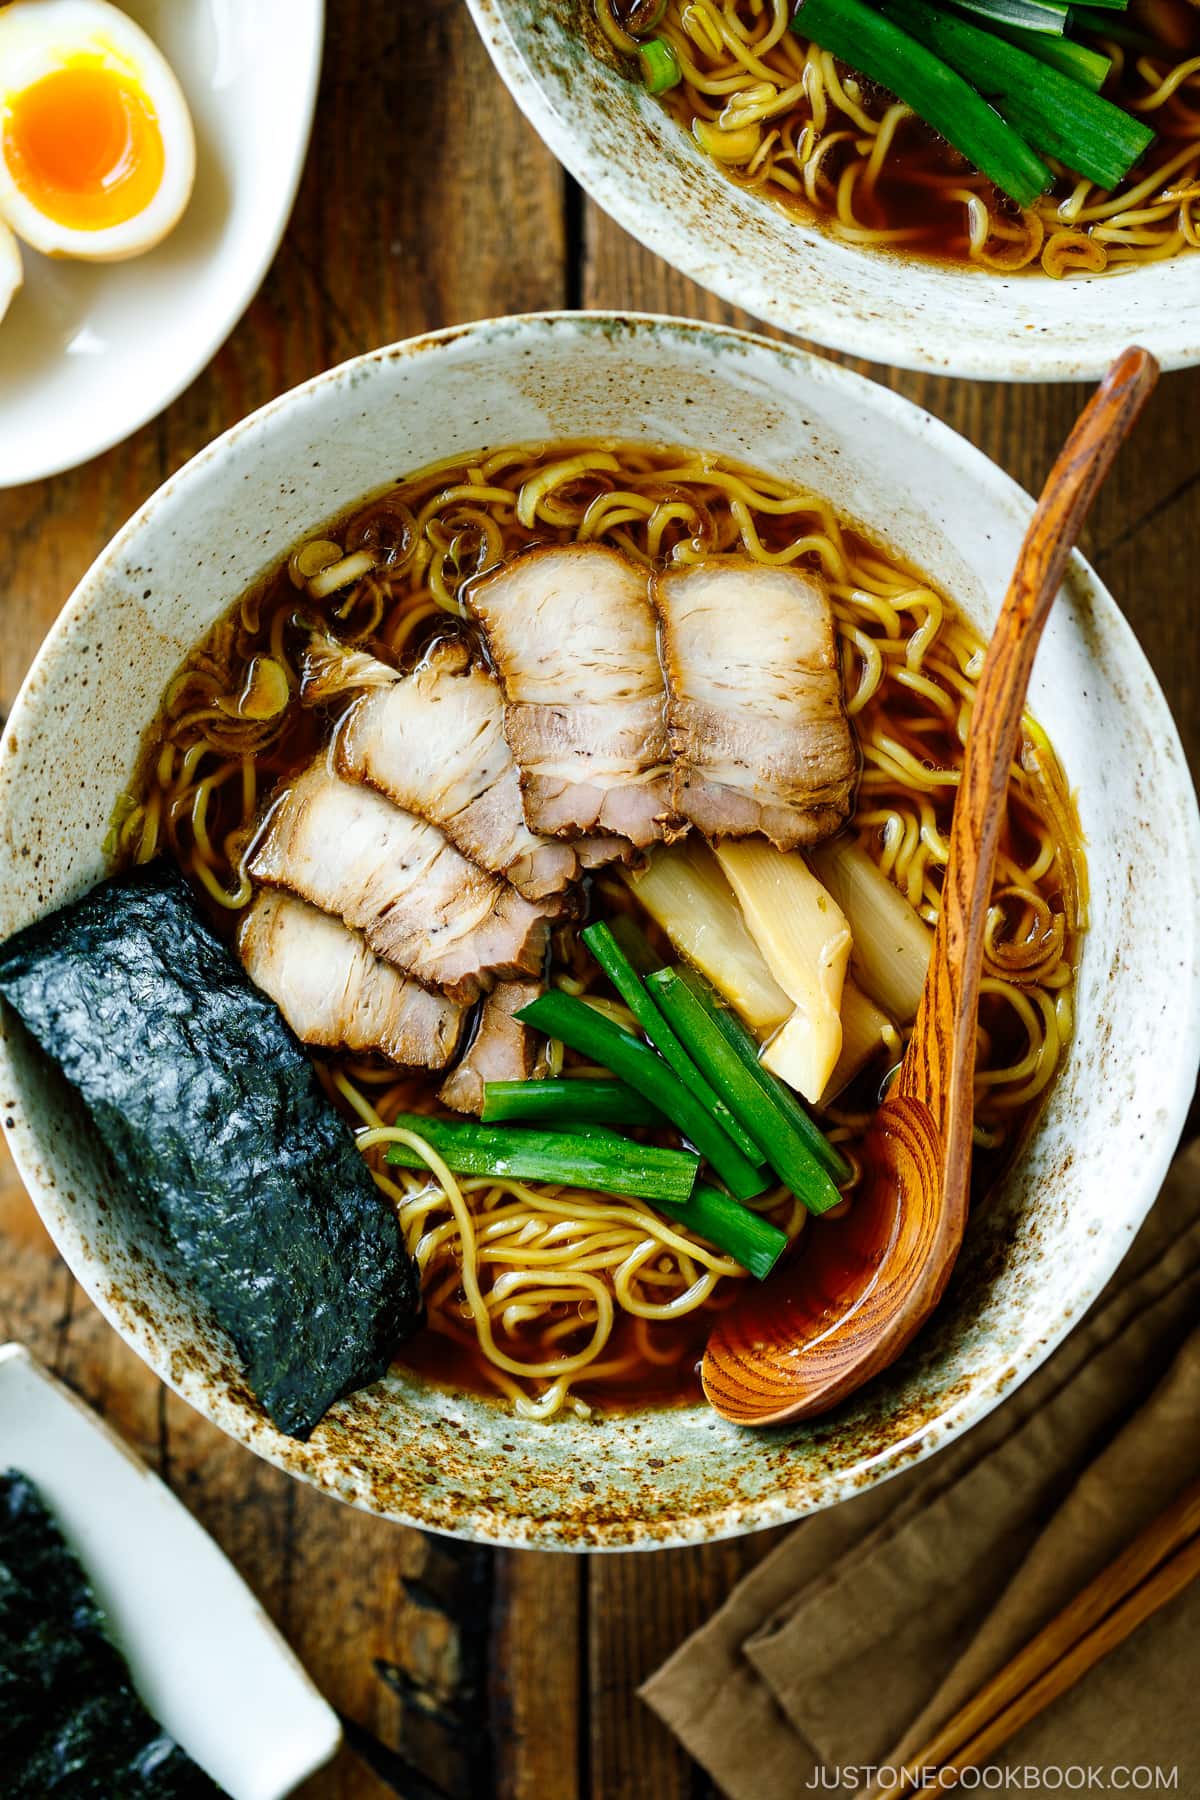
[[640, 166], [1046, 1240]]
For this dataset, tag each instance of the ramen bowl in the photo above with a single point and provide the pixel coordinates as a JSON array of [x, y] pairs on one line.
[[639, 165], [1047, 1238]]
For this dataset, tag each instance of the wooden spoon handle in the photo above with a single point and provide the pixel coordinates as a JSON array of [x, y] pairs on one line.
[[940, 1064]]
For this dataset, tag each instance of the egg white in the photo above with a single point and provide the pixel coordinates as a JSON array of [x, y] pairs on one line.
[[11, 272], [36, 38]]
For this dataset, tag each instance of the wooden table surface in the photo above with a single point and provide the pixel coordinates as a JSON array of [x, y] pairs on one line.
[[427, 201]]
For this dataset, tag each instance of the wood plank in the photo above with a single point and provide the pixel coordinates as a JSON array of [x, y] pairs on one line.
[[640, 1608], [539, 1672]]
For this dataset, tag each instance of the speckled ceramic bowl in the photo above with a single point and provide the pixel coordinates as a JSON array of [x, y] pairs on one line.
[[636, 162], [1046, 1241]]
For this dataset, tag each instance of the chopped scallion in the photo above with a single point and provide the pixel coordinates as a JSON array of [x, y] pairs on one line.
[[660, 65]]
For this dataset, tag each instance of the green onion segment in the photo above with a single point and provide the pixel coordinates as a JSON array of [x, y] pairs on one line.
[[880, 47], [603, 945], [1054, 113], [1043, 16], [583, 1029], [593, 1159], [568, 1101], [798, 1152], [1081, 62], [746, 1236], [660, 65]]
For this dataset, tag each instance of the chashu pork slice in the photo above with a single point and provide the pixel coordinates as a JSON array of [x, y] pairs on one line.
[[573, 637], [433, 741], [759, 733], [397, 879], [334, 991], [502, 1049]]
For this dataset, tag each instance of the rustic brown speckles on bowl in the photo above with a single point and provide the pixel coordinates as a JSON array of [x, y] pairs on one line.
[[1046, 1242], [640, 166]]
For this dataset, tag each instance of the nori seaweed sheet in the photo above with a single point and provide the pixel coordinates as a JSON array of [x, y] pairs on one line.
[[71, 1724], [213, 1113]]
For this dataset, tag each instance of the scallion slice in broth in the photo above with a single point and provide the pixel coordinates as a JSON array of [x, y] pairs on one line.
[[660, 65]]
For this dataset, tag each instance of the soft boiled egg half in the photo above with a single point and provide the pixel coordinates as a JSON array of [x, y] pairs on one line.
[[97, 153]]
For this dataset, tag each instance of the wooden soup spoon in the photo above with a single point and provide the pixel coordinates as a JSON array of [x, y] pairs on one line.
[[864, 1283]]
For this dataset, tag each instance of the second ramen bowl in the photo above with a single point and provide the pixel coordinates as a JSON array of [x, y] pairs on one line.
[[640, 166], [1049, 1236]]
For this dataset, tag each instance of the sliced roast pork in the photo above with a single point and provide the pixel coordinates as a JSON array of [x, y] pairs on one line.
[[502, 1049], [397, 879], [573, 638], [433, 741], [334, 991], [758, 730]]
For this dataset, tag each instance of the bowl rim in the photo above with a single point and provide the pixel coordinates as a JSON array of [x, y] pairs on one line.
[[740, 284], [480, 1521]]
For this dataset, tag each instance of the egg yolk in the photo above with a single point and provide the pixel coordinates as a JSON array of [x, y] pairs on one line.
[[83, 145]]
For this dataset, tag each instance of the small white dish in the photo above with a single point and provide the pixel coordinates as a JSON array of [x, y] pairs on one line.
[[204, 1657], [90, 351]]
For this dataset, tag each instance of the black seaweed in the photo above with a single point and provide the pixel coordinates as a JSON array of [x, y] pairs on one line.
[[71, 1724], [214, 1115]]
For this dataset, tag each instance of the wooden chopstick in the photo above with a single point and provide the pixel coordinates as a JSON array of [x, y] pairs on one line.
[[1158, 1564]]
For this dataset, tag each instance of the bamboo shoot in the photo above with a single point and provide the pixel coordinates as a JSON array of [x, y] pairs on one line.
[[683, 889], [892, 942], [805, 942], [866, 1030]]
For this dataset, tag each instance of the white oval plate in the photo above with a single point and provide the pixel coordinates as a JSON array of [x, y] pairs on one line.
[[203, 1654], [90, 351]]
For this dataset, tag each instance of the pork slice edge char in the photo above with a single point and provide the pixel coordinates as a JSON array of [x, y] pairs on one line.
[[572, 635], [759, 733], [418, 901]]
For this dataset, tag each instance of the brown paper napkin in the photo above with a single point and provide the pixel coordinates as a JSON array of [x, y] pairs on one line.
[[872, 1623]]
